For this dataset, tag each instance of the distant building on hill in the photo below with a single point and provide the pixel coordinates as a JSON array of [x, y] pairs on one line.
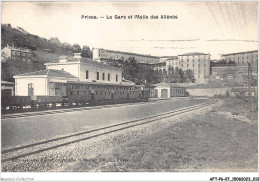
[[16, 54]]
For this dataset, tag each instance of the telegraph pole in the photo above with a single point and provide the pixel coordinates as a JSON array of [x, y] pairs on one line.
[[249, 85]]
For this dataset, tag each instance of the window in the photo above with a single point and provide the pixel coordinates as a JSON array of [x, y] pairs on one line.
[[116, 78], [97, 75], [86, 74], [103, 76], [57, 86], [13, 53], [187, 65], [187, 60], [108, 77]]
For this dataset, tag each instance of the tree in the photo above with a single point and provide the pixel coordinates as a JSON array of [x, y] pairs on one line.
[[76, 48], [130, 69], [115, 63], [86, 52], [67, 46], [189, 76], [55, 41], [133, 71]]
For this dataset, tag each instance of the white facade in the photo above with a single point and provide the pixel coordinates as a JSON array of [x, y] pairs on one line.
[[162, 90], [22, 86], [199, 63], [40, 84], [88, 70]]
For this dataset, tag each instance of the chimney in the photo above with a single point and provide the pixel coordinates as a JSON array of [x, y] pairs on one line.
[[77, 55], [63, 59]]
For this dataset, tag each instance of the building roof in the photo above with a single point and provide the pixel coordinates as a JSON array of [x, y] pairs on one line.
[[193, 54], [18, 49], [6, 83], [239, 53], [49, 72], [102, 83], [172, 57], [180, 85], [86, 60], [162, 84], [242, 89], [130, 53], [128, 81]]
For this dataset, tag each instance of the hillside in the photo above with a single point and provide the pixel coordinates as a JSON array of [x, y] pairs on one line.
[[43, 51], [23, 39]]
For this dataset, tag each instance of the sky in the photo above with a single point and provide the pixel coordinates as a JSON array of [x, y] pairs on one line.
[[210, 27]]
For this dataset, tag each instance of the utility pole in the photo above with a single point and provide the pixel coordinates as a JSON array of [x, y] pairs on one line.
[[249, 85]]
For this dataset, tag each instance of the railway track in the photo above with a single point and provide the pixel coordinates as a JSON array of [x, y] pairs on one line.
[[38, 147], [46, 112]]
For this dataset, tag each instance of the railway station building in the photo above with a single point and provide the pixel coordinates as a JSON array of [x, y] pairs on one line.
[[69, 73]]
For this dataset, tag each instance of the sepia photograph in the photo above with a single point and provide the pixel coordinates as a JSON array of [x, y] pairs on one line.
[[129, 87]]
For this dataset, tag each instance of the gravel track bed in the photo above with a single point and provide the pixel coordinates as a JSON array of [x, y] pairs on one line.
[[61, 158]]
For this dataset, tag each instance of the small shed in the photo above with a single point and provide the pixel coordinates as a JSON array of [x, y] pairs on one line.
[[162, 90], [178, 90], [7, 88]]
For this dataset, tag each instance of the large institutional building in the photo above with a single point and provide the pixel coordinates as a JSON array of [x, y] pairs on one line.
[[104, 54], [242, 58], [198, 62]]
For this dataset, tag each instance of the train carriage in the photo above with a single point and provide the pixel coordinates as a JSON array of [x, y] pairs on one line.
[[79, 94]]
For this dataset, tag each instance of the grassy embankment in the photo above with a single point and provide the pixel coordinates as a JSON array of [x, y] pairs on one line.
[[224, 139]]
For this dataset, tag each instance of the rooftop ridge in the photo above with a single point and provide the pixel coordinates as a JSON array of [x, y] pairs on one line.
[[129, 53], [239, 53], [193, 53]]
